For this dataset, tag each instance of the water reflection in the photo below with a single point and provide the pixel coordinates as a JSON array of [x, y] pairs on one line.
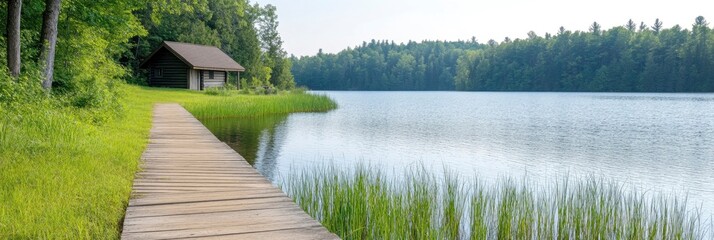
[[256, 139], [659, 142], [655, 97]]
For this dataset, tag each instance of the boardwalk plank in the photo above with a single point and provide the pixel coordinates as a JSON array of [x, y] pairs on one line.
[[192, 185]]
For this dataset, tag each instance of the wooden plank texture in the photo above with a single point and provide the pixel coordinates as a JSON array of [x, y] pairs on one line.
[[192, 185]]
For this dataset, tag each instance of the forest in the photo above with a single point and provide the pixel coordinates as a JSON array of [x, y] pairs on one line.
[[82, 50], [384, 65], [629, 58]]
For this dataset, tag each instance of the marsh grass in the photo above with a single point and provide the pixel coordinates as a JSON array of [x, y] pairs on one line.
[[64, 175], [258, 105], [365, 203]]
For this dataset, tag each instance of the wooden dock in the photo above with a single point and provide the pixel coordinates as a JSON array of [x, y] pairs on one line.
[[194, 186]]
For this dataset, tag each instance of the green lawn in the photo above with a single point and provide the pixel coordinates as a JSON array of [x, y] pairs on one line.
[[63, 176]]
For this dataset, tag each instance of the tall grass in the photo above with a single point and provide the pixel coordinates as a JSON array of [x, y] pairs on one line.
[[64, 175], [258, 105], [367, 204]]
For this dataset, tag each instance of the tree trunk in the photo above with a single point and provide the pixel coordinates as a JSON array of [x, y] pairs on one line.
[[49, 41], [14, 7]]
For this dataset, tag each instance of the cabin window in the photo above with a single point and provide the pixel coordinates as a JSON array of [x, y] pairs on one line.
[[158, 72], [210, 74]]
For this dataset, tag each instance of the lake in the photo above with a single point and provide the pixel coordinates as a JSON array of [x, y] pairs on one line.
[[661, 143]]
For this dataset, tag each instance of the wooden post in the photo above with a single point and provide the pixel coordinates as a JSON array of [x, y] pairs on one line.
[[200, 82]]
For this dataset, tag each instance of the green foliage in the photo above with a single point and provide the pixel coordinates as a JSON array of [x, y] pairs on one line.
[[258, 105], [274, 56], [284, 78], [63, 176], [235, 26], [259, 90], [261, 77], [365, 203], [299, 90], [619, 59], [91, 34], [217, 91], [382, 65], [14, 93]]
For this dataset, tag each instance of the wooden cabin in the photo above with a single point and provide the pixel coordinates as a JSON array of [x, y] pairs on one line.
[[191, 66]]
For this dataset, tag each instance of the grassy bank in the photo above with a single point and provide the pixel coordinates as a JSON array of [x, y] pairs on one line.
[[63, 175], [366, 204]]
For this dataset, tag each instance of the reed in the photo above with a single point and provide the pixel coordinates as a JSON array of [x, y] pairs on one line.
[[364, 203], [258, 105]]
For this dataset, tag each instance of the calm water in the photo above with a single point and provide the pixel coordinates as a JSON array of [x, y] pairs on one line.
[[657, 142]]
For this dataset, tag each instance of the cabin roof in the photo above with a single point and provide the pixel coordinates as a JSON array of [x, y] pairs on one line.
[[199, 57]]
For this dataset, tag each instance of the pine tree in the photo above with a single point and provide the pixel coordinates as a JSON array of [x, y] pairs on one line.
[[657, 26]]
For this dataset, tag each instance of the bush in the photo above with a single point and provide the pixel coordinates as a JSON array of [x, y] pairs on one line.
[[244, 91], [218, 91], [259, 90], [299, 90], [138, 78], [271, 90]]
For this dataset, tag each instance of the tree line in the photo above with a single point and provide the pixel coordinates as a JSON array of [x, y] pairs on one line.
[[384, 65], [80, 51], [629, 58]]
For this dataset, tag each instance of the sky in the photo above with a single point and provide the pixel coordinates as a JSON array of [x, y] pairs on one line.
[[333, 25]]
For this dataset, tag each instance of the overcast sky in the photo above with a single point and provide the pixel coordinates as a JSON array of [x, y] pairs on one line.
[[333, 25]]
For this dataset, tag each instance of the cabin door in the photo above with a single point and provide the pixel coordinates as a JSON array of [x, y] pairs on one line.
[[193, 79]]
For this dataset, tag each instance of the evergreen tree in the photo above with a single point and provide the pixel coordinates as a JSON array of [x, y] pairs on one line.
[[595, 28], [657, 26], [617, 59], [630, 25]]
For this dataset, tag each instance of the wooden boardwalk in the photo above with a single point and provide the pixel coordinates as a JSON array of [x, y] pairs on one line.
[[195, 186]]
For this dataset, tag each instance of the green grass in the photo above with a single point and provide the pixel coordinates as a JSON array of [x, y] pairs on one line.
[[258, 105], [64, 176], [366, 204]]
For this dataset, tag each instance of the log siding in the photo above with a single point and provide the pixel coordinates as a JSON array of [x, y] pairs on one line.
[[174, 73], [218, 80]]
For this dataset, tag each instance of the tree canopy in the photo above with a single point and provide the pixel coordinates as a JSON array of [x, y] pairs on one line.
[[99, 44], [383, 65], [248, 33], [624, 58]]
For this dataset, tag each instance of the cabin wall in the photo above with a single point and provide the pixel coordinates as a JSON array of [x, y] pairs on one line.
[[218, 80], [194, 79], [174, 73]]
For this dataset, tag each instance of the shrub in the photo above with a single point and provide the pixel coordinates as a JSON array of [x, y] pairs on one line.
[[218, 91]]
